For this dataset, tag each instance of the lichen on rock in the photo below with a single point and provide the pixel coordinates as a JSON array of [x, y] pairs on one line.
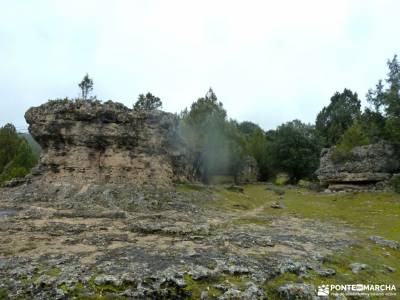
[[365, 167], [95, 142]]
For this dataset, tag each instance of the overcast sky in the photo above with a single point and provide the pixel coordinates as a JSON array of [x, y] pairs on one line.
[[267, 61]]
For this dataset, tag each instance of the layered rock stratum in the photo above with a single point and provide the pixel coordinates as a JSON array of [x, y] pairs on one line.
[[364, 166], [94, 142]]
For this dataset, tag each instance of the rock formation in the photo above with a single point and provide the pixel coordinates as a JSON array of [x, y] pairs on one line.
[[94, 142], [365, 166]]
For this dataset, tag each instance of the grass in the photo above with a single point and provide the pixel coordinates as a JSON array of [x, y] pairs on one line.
[[366, 213], [195, 287], [251, 220], [371, 213], [187, 188], [253, 197]]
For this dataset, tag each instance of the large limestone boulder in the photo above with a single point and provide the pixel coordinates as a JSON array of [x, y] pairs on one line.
[[94, 142], [365, 165]]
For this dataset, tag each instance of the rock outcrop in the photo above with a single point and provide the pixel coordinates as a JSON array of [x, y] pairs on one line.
[[94, 142], [365, 166]]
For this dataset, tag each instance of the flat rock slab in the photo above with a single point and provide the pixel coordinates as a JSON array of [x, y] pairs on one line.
[[147, 242]]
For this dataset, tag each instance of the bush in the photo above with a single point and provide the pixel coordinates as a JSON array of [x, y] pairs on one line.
[[282, 179], [353, 137], [304, 183], [293, 148], [395, 183], [16, 155]]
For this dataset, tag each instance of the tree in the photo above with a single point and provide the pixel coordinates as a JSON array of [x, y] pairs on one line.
[[216, 142], [16, 156], [248, 128], [256, 146], [147, 102], [386, 101], [294, 148], [372, 124], [354, 136], [376, 97], [86, 86], [206, 110], [334, 119]]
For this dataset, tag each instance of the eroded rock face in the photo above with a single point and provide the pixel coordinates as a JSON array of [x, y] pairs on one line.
[[94, 142], [366, 165]]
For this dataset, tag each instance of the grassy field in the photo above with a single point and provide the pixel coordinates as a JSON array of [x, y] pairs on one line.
[[367, 213]]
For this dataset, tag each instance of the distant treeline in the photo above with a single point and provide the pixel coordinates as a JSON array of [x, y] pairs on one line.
[[219, 144], [294, 147], [17, 154]]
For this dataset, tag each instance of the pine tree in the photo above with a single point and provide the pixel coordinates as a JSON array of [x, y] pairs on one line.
[[86, 86]]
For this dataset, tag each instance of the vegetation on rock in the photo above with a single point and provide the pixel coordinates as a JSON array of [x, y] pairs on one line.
[[86, 86], [147, 102], [354, 136], [333, 120]]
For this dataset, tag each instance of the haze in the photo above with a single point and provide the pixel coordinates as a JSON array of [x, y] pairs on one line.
[[268, 62]]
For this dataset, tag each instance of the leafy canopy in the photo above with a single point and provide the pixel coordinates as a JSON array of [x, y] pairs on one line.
[[385, 99], [216, 142], [333, 120], [353, 137], [86, 86], [294, 148], [16, 156], [147, 102]]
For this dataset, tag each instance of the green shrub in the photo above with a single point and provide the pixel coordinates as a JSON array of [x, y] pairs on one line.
[[16, 155], [304, 183], [395, 183], [353, 137], [282, 179]]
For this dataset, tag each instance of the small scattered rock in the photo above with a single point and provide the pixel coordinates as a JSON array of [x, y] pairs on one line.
[[357, 267], [232, 293], [107, 279], [200, 272], [326, 272], [390, 269], [292, 290], [386, 243], [236, 270], [223, 286], [277, 205], [294, 267], [45, 280], [253, 292], [203, 295]]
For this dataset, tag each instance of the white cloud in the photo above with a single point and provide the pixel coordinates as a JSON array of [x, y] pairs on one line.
[[268, 61]]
